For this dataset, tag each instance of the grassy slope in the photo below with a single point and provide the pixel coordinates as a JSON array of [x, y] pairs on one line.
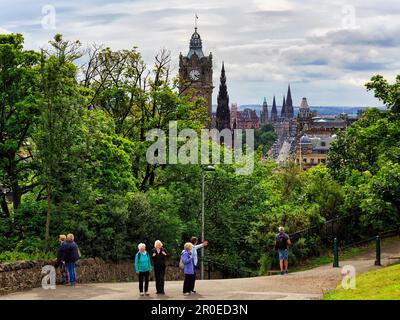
[[380, 284]]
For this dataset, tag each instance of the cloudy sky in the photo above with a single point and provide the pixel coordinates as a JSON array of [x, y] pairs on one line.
[[327, 50]]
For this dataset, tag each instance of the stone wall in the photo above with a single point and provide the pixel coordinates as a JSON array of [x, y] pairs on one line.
[[23, 275]]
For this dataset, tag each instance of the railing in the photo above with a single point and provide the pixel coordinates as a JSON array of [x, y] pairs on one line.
[[225, 269], [377, 238], [382, 235]]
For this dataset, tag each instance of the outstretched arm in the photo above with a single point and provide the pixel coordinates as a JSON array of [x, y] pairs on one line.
[[201, 245]]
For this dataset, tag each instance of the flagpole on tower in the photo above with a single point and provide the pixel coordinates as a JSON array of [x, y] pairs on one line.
[[195, 21]]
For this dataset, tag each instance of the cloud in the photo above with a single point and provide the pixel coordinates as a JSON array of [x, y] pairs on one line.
[[265, 44]]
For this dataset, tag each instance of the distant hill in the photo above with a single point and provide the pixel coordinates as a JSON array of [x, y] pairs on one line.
[[321, 110]]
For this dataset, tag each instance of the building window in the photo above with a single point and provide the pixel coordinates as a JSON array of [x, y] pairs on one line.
[[312, 160], [323, 144]]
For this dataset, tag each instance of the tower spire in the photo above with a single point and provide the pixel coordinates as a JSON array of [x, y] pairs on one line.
[[274, 111], [289, 104], [223, 113], [283, 111]]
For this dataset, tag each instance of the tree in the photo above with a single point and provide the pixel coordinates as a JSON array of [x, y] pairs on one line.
[[19, 111], [389, 94], [62, 101], [264, 137]]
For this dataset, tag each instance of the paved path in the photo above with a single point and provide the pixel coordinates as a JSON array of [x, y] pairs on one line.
[[304, 285]]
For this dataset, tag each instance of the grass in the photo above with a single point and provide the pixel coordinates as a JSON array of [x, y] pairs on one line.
[[12, 256], [381, 284]]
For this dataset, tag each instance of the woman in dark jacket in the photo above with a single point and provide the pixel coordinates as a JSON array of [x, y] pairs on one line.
[[159, 255], [71, 254]]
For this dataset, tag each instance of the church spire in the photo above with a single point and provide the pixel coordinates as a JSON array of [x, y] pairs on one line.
[[274, 111], [283, 111], [223, 112], [289, 104]]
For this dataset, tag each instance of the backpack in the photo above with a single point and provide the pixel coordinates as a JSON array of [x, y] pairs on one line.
[[281, 241], [181, 264]]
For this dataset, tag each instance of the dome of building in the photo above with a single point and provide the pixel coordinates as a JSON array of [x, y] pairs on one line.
[[305, 140], [196, 45]]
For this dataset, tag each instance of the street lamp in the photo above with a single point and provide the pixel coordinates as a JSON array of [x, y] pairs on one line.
[[208, 168]]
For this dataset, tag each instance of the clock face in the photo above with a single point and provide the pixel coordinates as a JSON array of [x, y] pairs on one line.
[[194, 75]]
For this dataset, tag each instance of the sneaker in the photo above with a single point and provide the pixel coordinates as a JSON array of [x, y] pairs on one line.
[[282, 273], [193, 292], [142, 293], [186, 294], [286, 271], [147, 294]]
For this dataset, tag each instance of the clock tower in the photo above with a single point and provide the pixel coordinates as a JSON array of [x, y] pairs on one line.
[[195, 72]]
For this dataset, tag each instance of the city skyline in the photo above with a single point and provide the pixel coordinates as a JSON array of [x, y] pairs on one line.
[[325, 51]]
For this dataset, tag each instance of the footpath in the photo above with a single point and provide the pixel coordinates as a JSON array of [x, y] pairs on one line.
[[303, 285]]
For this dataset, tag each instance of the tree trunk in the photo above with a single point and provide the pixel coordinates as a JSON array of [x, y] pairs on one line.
[[49, 204], [16, 192], [4, 205]]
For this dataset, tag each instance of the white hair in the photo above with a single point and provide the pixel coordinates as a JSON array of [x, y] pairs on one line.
[[281, 229], [141, 245], [158, 242]]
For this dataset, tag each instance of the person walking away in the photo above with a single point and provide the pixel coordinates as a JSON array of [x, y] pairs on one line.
[[71, 254], [188, 268], [59, 262], [159, 255], [196, 246], [282, 243], [143, 268]]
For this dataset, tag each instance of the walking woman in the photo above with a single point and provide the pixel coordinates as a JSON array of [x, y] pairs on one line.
[[143, 268], [159, 255], [188, 268]]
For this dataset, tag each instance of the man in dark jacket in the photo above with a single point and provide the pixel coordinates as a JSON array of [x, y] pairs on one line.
[[61, 263], [159, 256], [70, 256]]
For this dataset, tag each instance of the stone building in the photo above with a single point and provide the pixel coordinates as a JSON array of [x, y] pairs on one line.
[[246, 119], [195, 71], [264, 119]]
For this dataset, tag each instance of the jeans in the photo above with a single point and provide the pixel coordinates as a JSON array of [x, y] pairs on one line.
[[64, 273], [160, 274], [188, 283], [71, 272], [144, 277]]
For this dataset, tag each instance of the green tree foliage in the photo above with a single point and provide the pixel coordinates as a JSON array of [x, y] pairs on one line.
[[62, 102], [19, 111], [73, 152], [264, 137], [365, 159]]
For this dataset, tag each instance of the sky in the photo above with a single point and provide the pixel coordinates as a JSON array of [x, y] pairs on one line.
[[326, 50]]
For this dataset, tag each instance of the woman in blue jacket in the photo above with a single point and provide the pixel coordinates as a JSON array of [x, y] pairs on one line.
[[188, 269], [143, 268]]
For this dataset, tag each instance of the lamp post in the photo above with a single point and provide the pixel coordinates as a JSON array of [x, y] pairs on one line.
[[208, 168]]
